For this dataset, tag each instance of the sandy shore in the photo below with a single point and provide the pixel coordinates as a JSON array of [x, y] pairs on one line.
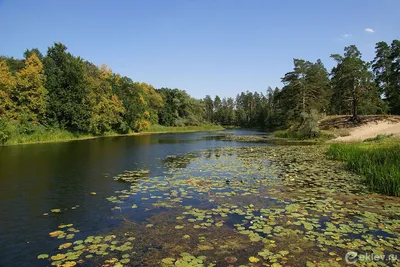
[[370, 130]]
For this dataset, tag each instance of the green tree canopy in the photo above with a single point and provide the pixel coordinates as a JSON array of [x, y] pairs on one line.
[[68, 101]]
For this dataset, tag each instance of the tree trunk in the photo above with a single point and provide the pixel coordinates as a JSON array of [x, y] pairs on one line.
[[355, 105]]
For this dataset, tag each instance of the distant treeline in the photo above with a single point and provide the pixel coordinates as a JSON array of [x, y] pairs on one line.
[[353, 87], [60, 90]]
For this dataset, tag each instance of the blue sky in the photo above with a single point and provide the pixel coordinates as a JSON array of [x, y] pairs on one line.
[[203, 46]]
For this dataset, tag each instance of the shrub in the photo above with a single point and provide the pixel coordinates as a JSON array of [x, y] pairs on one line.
[[142, 125], [308, 127], [305, 129], [5, 131]]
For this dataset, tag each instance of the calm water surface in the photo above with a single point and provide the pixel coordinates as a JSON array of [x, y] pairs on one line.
[[37, 178]]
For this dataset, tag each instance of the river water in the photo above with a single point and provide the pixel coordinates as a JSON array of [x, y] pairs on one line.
[[37, 178], [190, 199]]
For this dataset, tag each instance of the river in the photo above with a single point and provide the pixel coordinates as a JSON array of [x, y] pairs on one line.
[[37, 178], [189, 199]]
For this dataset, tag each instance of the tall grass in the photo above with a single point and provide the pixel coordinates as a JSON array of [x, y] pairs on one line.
[[378, 160], [42, 136], [290, 134]]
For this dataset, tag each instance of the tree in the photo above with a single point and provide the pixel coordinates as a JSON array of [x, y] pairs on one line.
[[68, 102], [381, 66], [306, 88], [295, 82], [180, 109], [353, 84], [107, 110], [319, 82], [7, 86], [394, 78], [13, 64], [30, 93], [209, 106], [153, 101], [217, 109], [29, 52]]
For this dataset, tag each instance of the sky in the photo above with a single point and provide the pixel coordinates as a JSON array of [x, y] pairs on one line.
[[206, 47]]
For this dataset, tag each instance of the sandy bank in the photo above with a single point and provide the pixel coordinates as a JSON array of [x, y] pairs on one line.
[[370, 130]]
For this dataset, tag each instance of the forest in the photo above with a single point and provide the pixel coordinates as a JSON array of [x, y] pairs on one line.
[[58, 90]]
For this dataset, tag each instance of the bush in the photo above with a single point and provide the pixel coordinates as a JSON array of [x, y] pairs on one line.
[[123, 128], [6, 130], [179, 122], [309, 124], [307, 128], [142, 125]]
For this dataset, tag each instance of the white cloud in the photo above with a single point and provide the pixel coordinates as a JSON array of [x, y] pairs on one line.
[[347, 35], [369, 30]]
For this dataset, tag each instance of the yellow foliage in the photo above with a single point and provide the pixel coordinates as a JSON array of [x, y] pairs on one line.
[[155, 100], [142, 125], [30, 92], [105, 72], [7, 85], [117, 79], [146, 115], [141, 99], [106, 108]]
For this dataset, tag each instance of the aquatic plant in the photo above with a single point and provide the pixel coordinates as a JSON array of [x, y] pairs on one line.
[[378, 162], [283, 206]]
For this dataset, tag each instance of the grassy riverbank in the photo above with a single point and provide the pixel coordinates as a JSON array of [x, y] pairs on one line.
[[321, 136], [377, 159], [58, 135]]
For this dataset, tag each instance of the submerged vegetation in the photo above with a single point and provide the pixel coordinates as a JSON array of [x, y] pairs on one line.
[[241, 206], [377, 159]]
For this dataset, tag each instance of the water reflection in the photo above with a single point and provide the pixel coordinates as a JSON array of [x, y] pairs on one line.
[[37, 178]]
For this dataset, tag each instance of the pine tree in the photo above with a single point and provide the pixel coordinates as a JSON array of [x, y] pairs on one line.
[[394, 78], [306, 88], [353, 84]]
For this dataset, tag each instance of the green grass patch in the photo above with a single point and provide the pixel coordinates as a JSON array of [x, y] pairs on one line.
[[320, 136], [377, 159], [46, 135]]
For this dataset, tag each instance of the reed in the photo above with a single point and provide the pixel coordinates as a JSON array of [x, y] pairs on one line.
[[377, 159]]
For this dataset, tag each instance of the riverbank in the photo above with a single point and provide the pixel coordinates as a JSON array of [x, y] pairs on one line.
[[345, 129], [376, 159], [58, 135], [334, 129]]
